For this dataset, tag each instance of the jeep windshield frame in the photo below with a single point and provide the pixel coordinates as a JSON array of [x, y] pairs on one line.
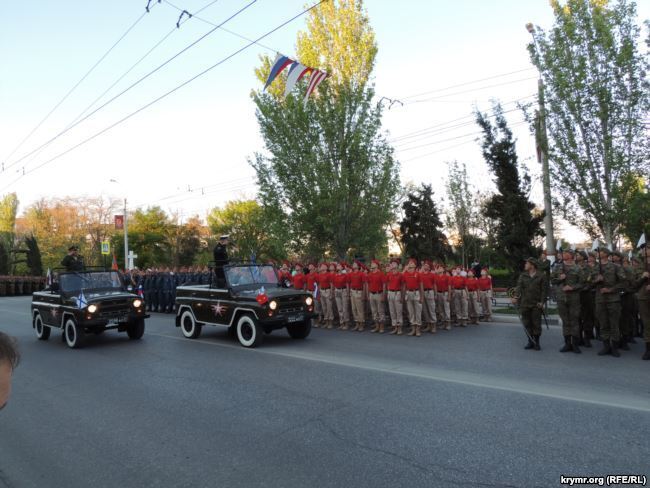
[[251, 276], [72, 282]]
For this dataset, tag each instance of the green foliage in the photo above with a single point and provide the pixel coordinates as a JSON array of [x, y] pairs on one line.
[[34, 261], [462, 211], [328, 180], [598, 95], [245, 222], [148, 238], [421, 227], [634, 219], [4, 260], [8, 209], [516, 225]]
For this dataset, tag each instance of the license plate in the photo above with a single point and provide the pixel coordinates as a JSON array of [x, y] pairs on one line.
[[295, 318], [116, 320]]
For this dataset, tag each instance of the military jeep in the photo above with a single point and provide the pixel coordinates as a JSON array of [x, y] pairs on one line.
[[87, 302], [249, 300]]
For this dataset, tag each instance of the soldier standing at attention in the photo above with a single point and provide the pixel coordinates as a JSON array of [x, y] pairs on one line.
[[609, 282], [628, 315], [530, 294], [357, 284], [394, 281], [341, 282], [414, 297], [460, 296], [376, 289], [443, 296], [642, 285], [568, 281], [485, 294], [72, 261], [299, 280], [586, 301], [471, 284], [311, 280], [220, 254], [429, 305], [325, 287]]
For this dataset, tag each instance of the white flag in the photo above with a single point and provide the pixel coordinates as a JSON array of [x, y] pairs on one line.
[[595, 245], [558, 246], [641, 242], [297, 71]]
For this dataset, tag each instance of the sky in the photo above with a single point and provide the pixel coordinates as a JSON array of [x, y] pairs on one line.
[[188, 152]]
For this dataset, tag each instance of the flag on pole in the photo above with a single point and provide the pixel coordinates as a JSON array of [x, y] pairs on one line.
[[279, 64], [81, 300], [48, 277], [558, 246], [114, 264], [641, 242], [296, 72], [316, 290], [595, 245]]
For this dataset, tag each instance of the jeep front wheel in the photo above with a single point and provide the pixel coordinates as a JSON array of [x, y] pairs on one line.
[[135, 329], [42, 331], [189, 327], [74, 335], [300, 330], [249, 333]]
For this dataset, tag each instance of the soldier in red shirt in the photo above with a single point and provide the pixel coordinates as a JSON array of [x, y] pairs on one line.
[[472, 297], [414, 297], [485, 294], [443, 297], [376, 292], [284, 275], [311, 281], [357, 285], [459, 291], [394, 282], [341, 282], [429, 304], [326, 294], [299, 280]]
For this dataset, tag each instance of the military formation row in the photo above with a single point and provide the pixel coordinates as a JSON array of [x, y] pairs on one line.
[[600, 292]]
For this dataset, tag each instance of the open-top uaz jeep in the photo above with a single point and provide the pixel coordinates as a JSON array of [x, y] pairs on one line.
[[81, 302], [249, 300]]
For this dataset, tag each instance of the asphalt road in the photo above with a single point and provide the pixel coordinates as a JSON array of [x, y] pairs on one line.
[[468, 407]]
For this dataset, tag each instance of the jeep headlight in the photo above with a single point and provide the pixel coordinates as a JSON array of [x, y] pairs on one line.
[[92, 308], [273, 304], [137, 303], [309, 301]]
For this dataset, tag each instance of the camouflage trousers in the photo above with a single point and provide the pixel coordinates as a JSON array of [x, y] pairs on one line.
[[532, 320], [609, 315], [644, 311], [568, 307]]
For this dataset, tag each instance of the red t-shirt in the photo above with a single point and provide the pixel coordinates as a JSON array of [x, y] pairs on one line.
[[442, 283], [412, 280], [472, 284], [394, 281], [341, 280], [376, 281], [299, 281], [311, 279], [457, 282], [357, 278], [325, 280], [484, 284], [427, 280]]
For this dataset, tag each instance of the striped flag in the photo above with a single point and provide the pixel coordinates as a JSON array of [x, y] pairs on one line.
[[114, 265], [48, 277], [81, 300], [281, 62], [296, 72], [316, 78]]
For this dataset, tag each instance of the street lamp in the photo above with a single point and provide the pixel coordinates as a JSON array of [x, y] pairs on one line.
[[542, 144], [126, 233]]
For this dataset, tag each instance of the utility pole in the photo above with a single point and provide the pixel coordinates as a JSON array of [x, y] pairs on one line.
[[542, 144], [126, 240]]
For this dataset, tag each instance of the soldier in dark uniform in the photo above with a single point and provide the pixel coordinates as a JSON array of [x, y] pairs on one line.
[[609, 282], [568, 280], [147, 286], [586, 301], [167, 291], [220, 260], [73, 261], [155, 289], [529, 295], [642, 287], [628, 312]]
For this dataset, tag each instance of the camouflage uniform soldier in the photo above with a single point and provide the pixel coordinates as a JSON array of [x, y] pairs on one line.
[[586, 302], [609, 283], [568, 280], [642, 285], [530, 294], [628, 315]]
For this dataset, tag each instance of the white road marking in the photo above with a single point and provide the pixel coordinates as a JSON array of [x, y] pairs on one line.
[[556, 392]]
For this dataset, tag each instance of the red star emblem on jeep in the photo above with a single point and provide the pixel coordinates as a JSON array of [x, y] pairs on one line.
[[218, 309]]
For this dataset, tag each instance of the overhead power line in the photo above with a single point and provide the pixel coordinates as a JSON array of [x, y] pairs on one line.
[[134, 84], [485, 87], [166, 94], [74, 87]]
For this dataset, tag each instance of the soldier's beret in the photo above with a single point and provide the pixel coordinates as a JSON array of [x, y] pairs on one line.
[[533, 261], [223, 237], [605, 250]]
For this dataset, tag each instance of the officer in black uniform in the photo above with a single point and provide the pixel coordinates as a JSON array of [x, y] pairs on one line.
[[220, 260], [73, 262]]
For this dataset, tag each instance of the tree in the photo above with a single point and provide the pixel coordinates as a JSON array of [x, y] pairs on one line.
[[4, 260], [461, 215], [186, 241], [34, 261], [149, 232], [8, 210], [421, 227], [244, 221], [597, 95], [509, 207], [328, 180], [634, 218]]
